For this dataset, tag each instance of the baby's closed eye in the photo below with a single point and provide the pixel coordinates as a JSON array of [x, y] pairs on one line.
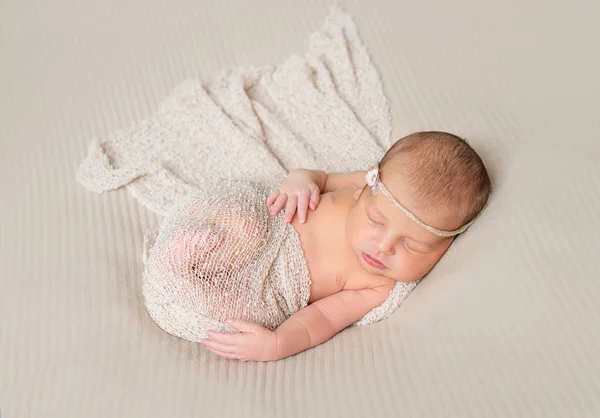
[[373, 221], [415, 247], [406, 245]]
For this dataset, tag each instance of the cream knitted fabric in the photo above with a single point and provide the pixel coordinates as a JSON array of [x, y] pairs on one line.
[[219, 255], [324, 109]]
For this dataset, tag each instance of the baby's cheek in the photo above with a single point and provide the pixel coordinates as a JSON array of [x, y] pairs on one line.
[[405, 268], [417, 267], [350, 231], [363, 239]]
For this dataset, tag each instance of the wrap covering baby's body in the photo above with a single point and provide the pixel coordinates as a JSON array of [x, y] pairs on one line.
[[219, 254]]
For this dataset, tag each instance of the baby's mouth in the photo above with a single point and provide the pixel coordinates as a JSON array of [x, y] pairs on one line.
[[373, 262]]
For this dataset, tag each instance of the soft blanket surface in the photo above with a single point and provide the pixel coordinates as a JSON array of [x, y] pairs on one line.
[[506, 325], [324, 109]]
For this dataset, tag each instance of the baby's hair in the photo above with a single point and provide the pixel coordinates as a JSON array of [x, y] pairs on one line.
[[444, 172]]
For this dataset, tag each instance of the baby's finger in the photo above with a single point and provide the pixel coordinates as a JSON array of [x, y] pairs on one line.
[[272, 197], [279, 203], [303, 207], [224, 337], [244, 327], [290, 208], [315, 198], [223, 348]]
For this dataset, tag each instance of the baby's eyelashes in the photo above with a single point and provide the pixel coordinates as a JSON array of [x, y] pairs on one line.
[[372, 222], [413, 248]]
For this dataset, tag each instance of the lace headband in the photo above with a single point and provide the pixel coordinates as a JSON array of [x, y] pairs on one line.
[[377, 186]]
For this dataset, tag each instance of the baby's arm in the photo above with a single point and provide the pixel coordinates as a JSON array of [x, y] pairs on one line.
[[307, 328], [324, 318], [335, 182], [302, 189]]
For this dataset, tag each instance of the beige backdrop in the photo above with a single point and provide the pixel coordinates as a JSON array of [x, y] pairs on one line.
[[505, 326]]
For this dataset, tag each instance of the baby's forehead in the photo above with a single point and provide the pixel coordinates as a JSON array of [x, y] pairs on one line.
[[379, 204]]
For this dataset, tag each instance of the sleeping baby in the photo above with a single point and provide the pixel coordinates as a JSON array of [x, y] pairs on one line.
[[257, 272]]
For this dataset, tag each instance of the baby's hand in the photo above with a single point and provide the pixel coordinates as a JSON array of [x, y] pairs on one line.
[[253, 342], [297, 192]]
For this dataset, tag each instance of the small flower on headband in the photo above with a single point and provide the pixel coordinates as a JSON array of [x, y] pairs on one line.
[[372, 177]]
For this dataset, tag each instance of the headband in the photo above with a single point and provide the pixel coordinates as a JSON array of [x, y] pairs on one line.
[[377, 186]]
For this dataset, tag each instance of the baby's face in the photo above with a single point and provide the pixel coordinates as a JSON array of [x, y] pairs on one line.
[[387, 242]]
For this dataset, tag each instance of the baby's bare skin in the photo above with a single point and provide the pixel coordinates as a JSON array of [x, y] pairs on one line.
[[357, 247], [360, 241], [333, 265]]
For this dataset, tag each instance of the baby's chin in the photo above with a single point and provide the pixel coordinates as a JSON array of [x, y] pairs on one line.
[[387, 273]]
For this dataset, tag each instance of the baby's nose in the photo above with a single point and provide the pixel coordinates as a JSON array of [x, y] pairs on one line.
[[386, 247]]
